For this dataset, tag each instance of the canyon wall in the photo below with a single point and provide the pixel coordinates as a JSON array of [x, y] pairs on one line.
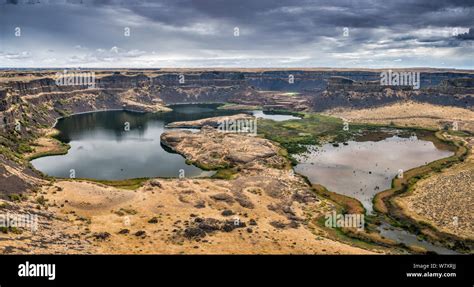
[[345, 92], [34, 99], [161, 87]]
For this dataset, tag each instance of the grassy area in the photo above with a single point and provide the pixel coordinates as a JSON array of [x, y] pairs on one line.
[[314, 129], [61, 149], [368, 239], [232, 106], [9, 154], [17, 197], [24, 148], [207, 167], [130, 184], [462, 134], [62, 113], [348, 204], [310, 130], [345, 205], [13, 144], [227, 173]]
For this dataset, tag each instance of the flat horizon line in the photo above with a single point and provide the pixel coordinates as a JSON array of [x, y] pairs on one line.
[[239, 68]]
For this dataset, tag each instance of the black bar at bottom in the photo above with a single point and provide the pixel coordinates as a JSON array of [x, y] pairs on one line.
[[156, 270]]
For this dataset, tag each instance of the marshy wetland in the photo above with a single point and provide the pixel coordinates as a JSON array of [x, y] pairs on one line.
[[360, 161], [361, 169]]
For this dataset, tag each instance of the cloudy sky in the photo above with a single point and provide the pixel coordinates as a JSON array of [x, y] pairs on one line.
[[237, 33]]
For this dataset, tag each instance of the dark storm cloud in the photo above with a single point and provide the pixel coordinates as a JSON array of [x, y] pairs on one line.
[[357, 14], [469, 36], [271, 32]]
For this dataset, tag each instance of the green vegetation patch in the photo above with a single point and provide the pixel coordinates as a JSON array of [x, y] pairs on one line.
[[17, 197], [231, 106], [294, 135], [130, 184], [228, 173]]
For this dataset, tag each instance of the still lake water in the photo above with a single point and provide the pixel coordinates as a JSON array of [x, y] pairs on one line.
[[273, 116], [363, 169], [101, 148]]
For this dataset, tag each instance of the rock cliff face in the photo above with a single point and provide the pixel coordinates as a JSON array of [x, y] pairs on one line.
[[147, 91], [35, 100], [317, 80], [345, 92], [16, 178], [37, 95], [45, 100], [317, 89]]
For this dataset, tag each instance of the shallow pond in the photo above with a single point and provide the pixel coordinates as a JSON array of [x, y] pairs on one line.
[[409, 239], [363, 169], [273, 116]]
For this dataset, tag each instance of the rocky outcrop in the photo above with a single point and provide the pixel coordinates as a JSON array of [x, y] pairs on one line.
[[213, 149], [458, 83], [212, 122], [16, 179], [271, 101], [4, 105]]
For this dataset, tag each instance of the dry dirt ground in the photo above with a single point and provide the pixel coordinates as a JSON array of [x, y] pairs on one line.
[[186, 216], [410, 114], [172, 216]]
